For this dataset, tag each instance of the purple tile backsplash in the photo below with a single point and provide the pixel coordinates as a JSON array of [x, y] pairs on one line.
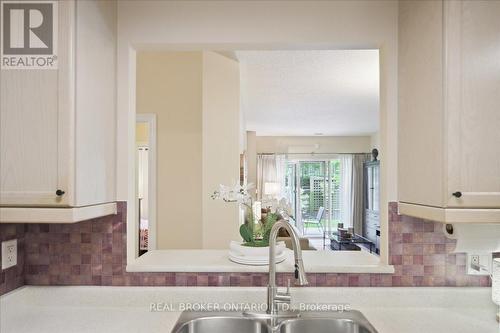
[[94, 253]]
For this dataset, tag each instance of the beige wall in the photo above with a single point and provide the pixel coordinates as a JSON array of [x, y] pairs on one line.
[[169, 84], [240, 25], [221, 147], [195, 96], [375, 140], [251, 158], [302, 144], [237, 25], [308, 144]]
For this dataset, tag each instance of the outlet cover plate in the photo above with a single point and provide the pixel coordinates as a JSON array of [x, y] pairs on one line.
[[479, 264], [9, 253]]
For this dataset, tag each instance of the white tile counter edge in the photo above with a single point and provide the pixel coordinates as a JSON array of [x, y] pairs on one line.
[[218, 261]]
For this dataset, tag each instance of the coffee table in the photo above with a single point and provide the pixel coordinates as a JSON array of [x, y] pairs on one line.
[[337, 243]]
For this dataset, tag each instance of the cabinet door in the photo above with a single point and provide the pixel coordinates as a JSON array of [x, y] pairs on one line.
[[29, 137], [35, 126], [472, 31], [95, 103], [420, 112]]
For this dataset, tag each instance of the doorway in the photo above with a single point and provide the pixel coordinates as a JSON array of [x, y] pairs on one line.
[[146, 181]]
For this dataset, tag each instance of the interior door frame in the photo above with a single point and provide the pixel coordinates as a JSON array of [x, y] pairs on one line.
[[150, 120]]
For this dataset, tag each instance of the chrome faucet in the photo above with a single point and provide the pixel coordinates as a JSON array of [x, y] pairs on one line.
[[273, 295]]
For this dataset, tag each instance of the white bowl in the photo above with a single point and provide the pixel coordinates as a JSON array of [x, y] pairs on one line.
[[250, 251], [254, 261]]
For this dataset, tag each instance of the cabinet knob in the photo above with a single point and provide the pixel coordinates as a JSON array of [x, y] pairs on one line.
[[457, 194], [60, 193]]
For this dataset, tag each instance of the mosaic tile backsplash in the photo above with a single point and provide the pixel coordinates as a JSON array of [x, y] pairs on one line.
[[94, 253]]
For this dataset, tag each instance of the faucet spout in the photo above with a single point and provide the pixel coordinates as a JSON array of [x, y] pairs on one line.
[[273, 296]]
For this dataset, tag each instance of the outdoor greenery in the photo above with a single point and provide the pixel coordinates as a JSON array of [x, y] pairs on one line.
[[312, 184]]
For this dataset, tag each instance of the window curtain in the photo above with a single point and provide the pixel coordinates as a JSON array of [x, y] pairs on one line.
[[357, 194], [281, 175], [351, 189], [271, 169], [346, 189]]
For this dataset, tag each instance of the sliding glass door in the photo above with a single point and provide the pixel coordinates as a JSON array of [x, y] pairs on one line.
[[312, 199], [334, 183], [291, 189], [313, 190]]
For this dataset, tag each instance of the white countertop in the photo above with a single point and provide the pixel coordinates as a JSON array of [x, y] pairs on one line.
[[127, 309], [218, 261]]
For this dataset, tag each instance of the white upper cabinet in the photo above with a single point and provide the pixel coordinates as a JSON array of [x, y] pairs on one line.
[[449, 110], [58, 137]]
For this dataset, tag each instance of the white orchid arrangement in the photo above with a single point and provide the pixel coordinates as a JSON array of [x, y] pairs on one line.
[[236, 193], [252, 235]]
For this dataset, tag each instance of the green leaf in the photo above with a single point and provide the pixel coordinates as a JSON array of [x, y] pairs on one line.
[[270, 221], [246, 233]]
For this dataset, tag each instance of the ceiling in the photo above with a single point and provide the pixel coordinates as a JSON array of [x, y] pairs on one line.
[[303, 93]]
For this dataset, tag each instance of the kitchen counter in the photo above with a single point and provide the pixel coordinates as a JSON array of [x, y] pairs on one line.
[[218, 261], [129, 309]]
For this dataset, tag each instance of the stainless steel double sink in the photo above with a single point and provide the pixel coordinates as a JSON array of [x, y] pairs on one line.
[[304, 322]]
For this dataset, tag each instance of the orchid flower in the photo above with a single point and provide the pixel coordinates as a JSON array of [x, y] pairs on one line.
[[236, 193]]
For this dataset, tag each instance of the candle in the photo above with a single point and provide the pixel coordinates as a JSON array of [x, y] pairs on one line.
[[257, 211]]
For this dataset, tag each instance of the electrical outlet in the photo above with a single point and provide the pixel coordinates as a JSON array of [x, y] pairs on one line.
[[479, 264], [474, 262], [9, 253]]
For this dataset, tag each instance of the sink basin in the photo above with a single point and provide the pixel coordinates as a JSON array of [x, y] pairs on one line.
[[323, 325], [310, 322], [220, 324], [328, 322]]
